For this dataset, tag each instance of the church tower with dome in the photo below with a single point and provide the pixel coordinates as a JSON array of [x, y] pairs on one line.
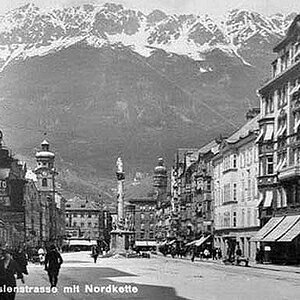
[[160, 180], [45, 168]]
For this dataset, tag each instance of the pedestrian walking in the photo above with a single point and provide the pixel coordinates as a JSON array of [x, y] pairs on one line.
[[206, 253], [41, 254], [8, 269], [193, 254], [95, 253], [21, 259], [53, 261], [238, 254]]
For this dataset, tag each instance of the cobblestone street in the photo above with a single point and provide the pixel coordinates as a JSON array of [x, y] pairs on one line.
[[162, 278]]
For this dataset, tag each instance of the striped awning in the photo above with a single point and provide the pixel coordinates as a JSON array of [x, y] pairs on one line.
[[269, 226], [281, 229], [268, 199], [292, 233]]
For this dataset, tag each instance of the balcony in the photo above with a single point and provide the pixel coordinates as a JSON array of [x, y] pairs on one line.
[[289, 173], [266, 180]]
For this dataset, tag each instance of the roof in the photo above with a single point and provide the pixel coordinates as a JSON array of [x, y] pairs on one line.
[[142, 189], [44, 154], [44, 142], [290, 34], [181, 153], [77, 203], [245, 130], [208, 147]]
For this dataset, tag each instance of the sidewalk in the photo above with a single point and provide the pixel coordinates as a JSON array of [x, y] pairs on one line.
[[272, 267]]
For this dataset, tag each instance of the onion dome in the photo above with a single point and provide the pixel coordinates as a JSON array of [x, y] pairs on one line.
[[45, 153], [160, 168]]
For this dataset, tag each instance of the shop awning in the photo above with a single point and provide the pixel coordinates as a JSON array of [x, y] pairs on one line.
[[297, 123], [292, 233], [283, 227], [259, 136], [82, 242], [191, 243], [268, 199], [163, 243], [281, 130], [145, 243], [261, 199], [269, 133], [272, 223], [201, 241], [172, 242]]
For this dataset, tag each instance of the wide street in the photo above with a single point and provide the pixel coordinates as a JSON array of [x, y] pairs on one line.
[[159, 278]]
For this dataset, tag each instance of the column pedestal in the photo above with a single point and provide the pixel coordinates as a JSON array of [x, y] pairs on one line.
[[120, 241]]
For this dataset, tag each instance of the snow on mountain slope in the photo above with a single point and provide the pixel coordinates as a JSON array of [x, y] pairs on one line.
[[29, 31]]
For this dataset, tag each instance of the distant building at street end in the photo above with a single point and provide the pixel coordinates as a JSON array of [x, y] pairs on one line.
[[140, 212], [86, 219], [279, 153]]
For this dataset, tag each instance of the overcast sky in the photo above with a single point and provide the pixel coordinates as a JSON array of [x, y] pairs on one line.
[[214, 7]]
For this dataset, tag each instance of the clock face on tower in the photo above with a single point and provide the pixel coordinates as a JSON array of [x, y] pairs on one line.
[[44, 173]]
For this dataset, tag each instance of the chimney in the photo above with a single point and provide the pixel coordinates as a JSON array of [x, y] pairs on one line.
[[252, 113]]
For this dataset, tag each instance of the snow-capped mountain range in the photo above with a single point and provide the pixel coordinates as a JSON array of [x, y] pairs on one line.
[[29, 31]]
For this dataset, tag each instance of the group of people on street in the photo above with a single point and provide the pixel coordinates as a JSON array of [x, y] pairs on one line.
[[13, 265]]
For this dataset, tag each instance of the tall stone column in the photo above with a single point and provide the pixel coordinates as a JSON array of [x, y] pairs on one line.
[[120, 196]]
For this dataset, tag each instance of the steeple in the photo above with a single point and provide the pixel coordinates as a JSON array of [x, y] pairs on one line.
[[160, 175]]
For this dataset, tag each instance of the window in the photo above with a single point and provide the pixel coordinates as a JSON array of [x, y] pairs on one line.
[[249, 217], [208, 185], [81, 224], [243, 218], [74, 224], [234, 161], [234, 192], [44, 182], [142, 216], [269, 166], [142, 226], [234, 219], [89, 216], [227, 192], [227, 219], [89, 224], [243, 190], [249, 189], [242, 158]]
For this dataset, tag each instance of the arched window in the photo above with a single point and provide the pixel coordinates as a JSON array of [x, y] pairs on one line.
[[44, 182]]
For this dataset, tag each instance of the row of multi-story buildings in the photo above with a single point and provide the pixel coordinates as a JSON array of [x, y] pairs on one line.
[[33, 212], [245, 189], [31, 208]]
